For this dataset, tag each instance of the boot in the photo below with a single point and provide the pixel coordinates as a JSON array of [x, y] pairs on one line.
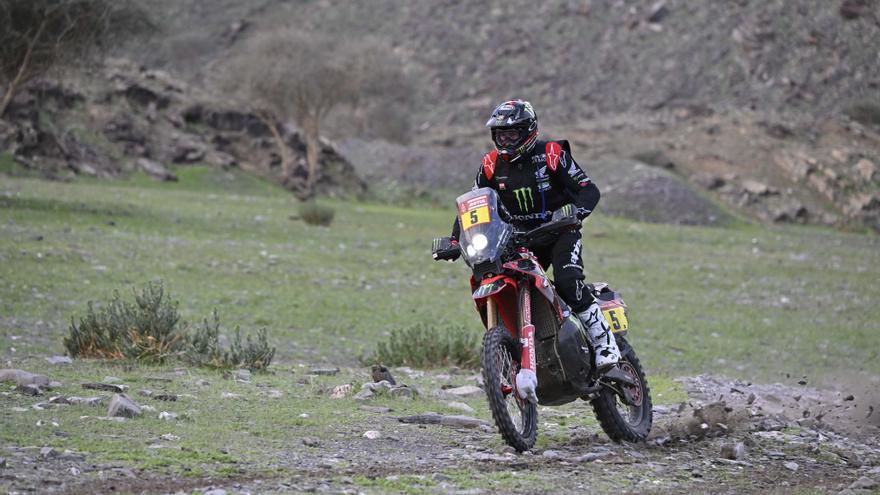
[[601, 337]]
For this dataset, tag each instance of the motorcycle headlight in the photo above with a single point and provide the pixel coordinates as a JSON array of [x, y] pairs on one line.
[[471, 251], [479, 242]]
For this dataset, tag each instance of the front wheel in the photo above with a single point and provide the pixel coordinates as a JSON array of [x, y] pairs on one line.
[[517, 419], [626, 420]]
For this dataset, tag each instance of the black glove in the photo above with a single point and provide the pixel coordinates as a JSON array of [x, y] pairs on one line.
[[445, 248]]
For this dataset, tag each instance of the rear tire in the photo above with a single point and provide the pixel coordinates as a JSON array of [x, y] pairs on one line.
[[622, 422], [517, 419]]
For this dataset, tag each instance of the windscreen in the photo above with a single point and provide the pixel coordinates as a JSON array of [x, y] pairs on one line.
[[483, 232]]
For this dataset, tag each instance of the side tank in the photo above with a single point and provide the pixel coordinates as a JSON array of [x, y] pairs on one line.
[[562, 352]]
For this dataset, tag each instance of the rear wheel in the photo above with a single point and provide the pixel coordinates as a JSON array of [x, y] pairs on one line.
[[517, 419], [626, 420]]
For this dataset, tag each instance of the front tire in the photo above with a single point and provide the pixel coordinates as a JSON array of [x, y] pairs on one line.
[[621, 421], [517, 419]]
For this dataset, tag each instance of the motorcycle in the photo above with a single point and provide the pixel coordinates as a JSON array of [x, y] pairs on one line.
[[528, 326]]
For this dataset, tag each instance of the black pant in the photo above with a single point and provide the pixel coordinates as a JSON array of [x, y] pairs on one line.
[[568, 269]]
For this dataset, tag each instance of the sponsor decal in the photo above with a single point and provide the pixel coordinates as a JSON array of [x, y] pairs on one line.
[[539, 158], [554, 153], [532, 216], [529, 110], [524, 198], [542, 178], [527, 338]]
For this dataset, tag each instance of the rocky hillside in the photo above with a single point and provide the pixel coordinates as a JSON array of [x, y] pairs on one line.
[[123, 117]]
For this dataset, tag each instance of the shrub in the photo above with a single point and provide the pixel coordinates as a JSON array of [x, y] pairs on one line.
[[149, 330], [204, 349], [315, 214], [146, 330], [425, 346]]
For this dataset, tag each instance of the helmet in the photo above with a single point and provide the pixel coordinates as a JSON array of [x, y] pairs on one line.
[[514, 127]]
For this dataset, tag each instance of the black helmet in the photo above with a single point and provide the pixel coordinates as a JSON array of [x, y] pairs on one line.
[[514, 128]]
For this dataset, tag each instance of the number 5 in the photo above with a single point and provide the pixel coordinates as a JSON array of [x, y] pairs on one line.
[[474, 217], [614, 321]]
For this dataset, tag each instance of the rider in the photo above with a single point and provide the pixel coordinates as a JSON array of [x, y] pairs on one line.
[[533, 178]]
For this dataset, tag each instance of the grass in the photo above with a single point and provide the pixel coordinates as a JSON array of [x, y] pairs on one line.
[[748, 301], [753, 302]]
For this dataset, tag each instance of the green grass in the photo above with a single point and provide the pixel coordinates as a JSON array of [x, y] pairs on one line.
[[747, 301]]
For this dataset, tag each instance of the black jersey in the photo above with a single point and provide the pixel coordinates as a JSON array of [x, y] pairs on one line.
[[537, 184]]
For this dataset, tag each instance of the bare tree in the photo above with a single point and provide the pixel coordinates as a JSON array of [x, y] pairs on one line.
[[287, 73], [39, 35]]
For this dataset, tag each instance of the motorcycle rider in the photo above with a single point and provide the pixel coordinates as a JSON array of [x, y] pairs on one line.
[[533, 179]]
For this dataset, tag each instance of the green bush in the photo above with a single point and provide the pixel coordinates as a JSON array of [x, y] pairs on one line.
[[204, 349], [314, 214], [149, 330], [425, 346], [146, 330]]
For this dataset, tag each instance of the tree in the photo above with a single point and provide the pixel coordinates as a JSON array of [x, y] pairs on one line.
[[287, 73], [39, 35]]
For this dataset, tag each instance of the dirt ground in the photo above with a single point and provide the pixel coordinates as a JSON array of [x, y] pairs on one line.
[[728, 437]]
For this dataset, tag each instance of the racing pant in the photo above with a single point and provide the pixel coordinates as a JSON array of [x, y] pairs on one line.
[[568, 269]]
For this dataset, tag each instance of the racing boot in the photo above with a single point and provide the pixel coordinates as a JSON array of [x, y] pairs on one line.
[[601, 337]]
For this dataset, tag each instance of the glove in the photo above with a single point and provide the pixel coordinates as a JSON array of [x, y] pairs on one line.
[[445, 248]]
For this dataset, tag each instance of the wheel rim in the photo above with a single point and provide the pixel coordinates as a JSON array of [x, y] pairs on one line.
[[632, 414], [508, 369]]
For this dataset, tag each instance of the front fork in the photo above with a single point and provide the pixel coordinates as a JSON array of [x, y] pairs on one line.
[[527, 330]]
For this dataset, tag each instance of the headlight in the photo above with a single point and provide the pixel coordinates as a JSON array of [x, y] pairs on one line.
[[480, 242], [471, 251]]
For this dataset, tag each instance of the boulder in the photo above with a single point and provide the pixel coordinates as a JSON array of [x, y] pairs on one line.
[[22, 378], [155, 170], [121, 406], [758, 188]]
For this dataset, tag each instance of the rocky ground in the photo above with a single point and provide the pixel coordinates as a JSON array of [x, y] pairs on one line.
[[727, 436]]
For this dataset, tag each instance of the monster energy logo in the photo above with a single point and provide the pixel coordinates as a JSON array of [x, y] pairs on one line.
[[524, 198]]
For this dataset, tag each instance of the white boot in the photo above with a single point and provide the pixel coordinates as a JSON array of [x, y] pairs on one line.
[[601, 337], [526, 384]]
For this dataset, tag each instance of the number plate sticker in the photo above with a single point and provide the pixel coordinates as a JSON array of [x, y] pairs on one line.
[[616, 318], [474, 212]]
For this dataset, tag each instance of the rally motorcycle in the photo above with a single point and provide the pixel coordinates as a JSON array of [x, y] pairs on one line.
[[528, 326]]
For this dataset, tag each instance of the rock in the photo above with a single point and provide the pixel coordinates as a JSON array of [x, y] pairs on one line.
[[59, 360], [866, 169], [372, 435], [789, 211], [863, 202], [365, 394], [109, 387], [758, 188], [48, 453], [88, 401], [654, 158], [243, 375], [376, 409], [167, 416], [709, 181], [864, 483], [380, 373], [166, 397], [437, 419], [821, 184], [29, 389], [20, 377], [3, 463], [465, 391], [461, 406], [592, 456], [550, 454], [733, 451], [122, 406], [658, 12], [112, 379], [216, 491], [853, 9], [229, 395], [155, 170], [311, 442], [791, 466], [403, 391], [341, 391], [324, 371]]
